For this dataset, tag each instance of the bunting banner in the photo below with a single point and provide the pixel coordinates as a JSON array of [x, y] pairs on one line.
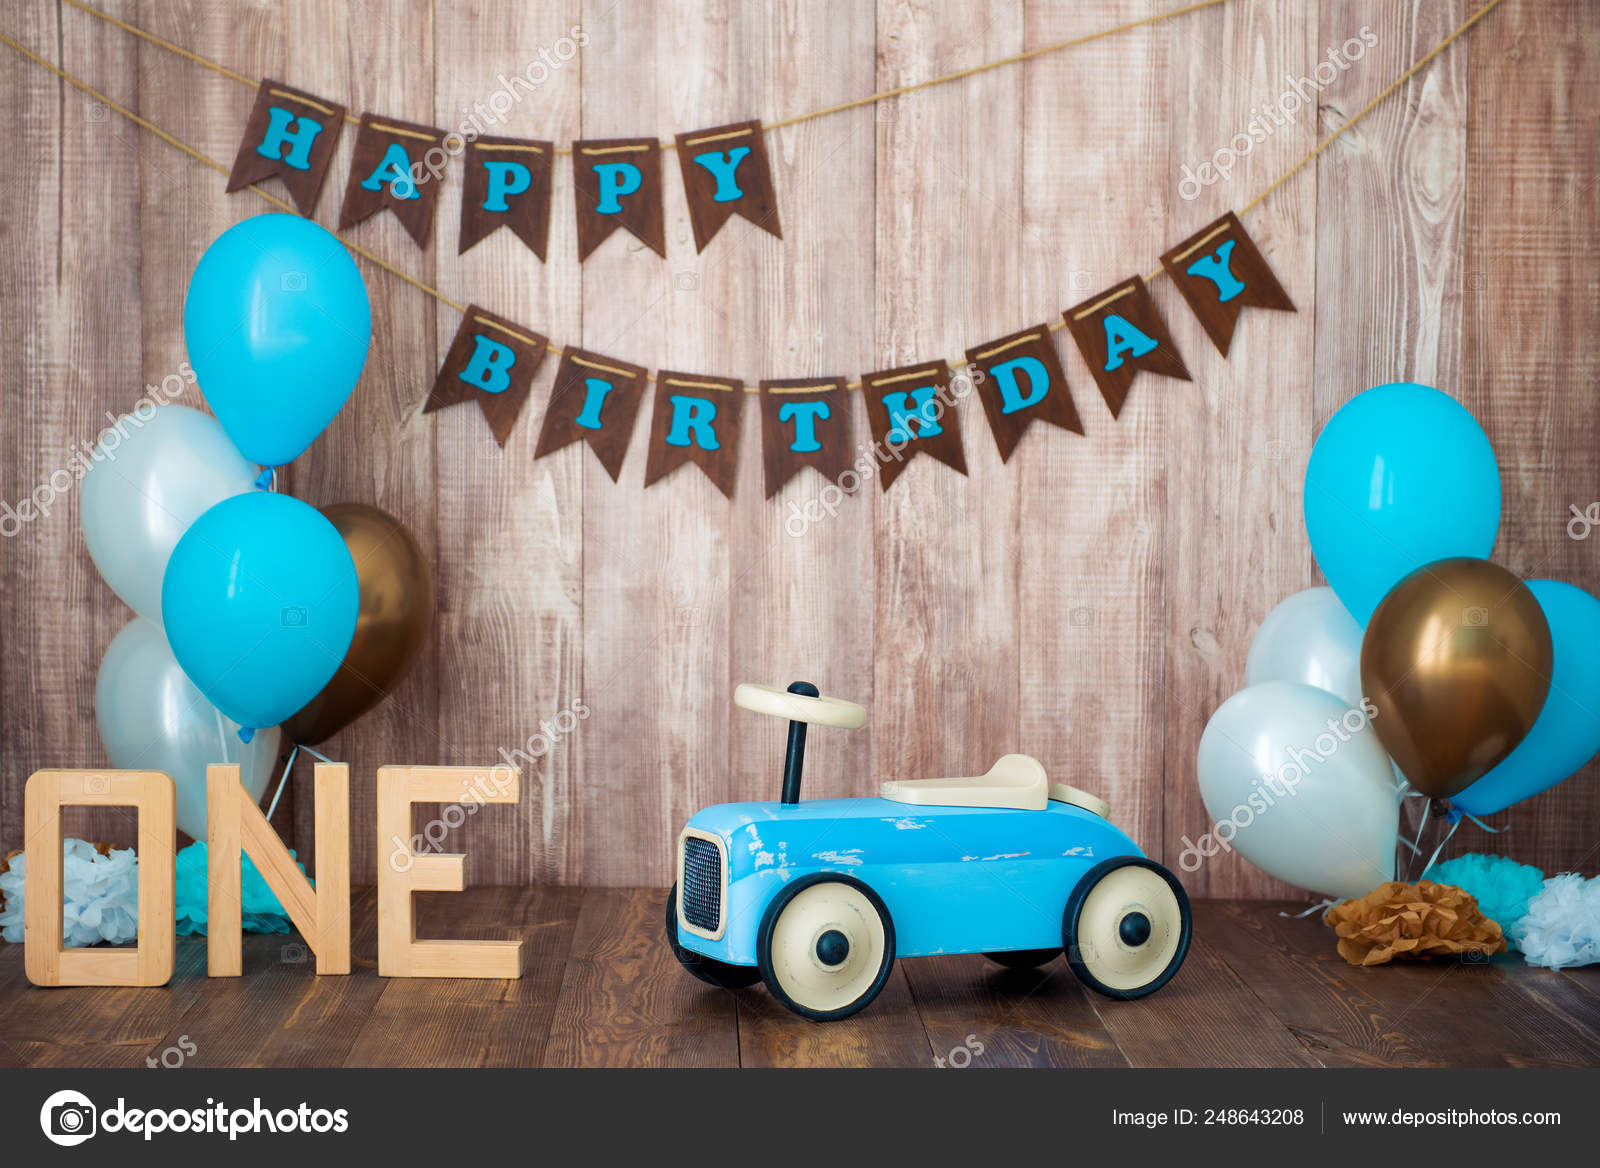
[[1019, 379], [386, 171], [726, 173], [696, 420], [290, 136], [1120, 333], [804, 423], [617, 183], [1220, 272], [594, 399], [911, 412], [492, 362], [507, 184]]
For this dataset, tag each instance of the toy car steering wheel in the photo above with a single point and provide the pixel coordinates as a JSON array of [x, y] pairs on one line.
[[819, 711]]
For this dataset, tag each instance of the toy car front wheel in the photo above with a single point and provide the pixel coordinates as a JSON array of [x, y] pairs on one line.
[[1126, 927], [721, 974], [826, 946]]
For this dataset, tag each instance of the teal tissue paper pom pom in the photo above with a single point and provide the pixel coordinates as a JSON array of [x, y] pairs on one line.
[[260, 911], [1501, 887]]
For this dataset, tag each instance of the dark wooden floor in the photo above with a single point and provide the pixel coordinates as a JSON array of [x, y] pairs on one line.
[[601, 989]]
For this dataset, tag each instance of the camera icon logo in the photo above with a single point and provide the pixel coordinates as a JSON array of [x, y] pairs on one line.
[[1475, 617], [292, 282], [294, 953], [293, 617], [68, 1118]]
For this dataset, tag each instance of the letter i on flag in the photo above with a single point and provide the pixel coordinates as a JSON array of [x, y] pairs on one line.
[[594, 399], [617, 183], [696, 420], [1221, 272], [389, 170], [1119, 333], [1021, 380], [507, 184], [912, 413], [804, 423], [290, 135], [725, 173], [492, 361]]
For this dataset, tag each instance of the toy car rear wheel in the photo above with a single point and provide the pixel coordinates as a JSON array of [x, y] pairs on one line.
[[826, 946], [1126, 927], [721, 974], [1023, 958]]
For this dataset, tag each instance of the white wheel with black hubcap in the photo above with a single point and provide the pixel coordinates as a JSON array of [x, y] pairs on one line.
[[826, 946], [1126, 927]]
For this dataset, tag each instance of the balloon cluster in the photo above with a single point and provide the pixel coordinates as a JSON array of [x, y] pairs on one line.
[[1424, 667], [258, 618]]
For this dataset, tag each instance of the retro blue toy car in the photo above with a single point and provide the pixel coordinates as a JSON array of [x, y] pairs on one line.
[[818, 898]]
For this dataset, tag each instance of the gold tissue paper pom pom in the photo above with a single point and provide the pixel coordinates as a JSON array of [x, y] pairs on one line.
[[1398, 921]]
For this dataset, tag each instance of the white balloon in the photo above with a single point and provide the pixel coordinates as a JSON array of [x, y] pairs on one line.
[[1297, 782], [151, 717], [1310, 638], [147, 482]]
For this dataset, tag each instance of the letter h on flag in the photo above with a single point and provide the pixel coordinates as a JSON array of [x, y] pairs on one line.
[[290, 135]]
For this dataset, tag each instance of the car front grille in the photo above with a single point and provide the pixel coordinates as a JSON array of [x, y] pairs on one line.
[[702, 883]]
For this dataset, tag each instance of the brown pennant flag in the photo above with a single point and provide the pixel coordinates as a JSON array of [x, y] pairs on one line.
[[618, 184], [290, 135], [726, 173], [492, 361], [696, 420], [1221, 272], [1120, 333], [595, 399], [388, 169], [912, 412], [507, 184], [804, 423], [1022, 380]]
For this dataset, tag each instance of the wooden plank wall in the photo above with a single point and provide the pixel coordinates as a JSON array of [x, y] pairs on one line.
[[1091, 602]]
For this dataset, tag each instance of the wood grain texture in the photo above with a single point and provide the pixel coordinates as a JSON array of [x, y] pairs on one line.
[[601, 989], [1090, 602]]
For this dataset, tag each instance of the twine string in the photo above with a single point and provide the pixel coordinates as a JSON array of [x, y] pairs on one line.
[[557, 349]]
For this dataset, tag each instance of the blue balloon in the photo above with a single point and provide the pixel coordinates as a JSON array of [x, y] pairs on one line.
[[1401, 476], [259, 602], [277, 325], [1567, 733]]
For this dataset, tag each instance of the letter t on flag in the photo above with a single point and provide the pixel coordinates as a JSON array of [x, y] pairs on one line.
[[290, 135], [492, 361], [725, 173], [804, 423], [1221, 272]]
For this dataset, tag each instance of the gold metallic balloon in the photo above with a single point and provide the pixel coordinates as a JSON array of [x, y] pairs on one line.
[[391, 626], [1457, 662]]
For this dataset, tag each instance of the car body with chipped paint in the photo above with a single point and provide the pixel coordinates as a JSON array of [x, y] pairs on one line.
[[817, 898], [954, 879]]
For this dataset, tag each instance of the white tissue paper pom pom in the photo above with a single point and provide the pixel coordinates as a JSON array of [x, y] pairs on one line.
[[1562, 928], [100, 894]]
